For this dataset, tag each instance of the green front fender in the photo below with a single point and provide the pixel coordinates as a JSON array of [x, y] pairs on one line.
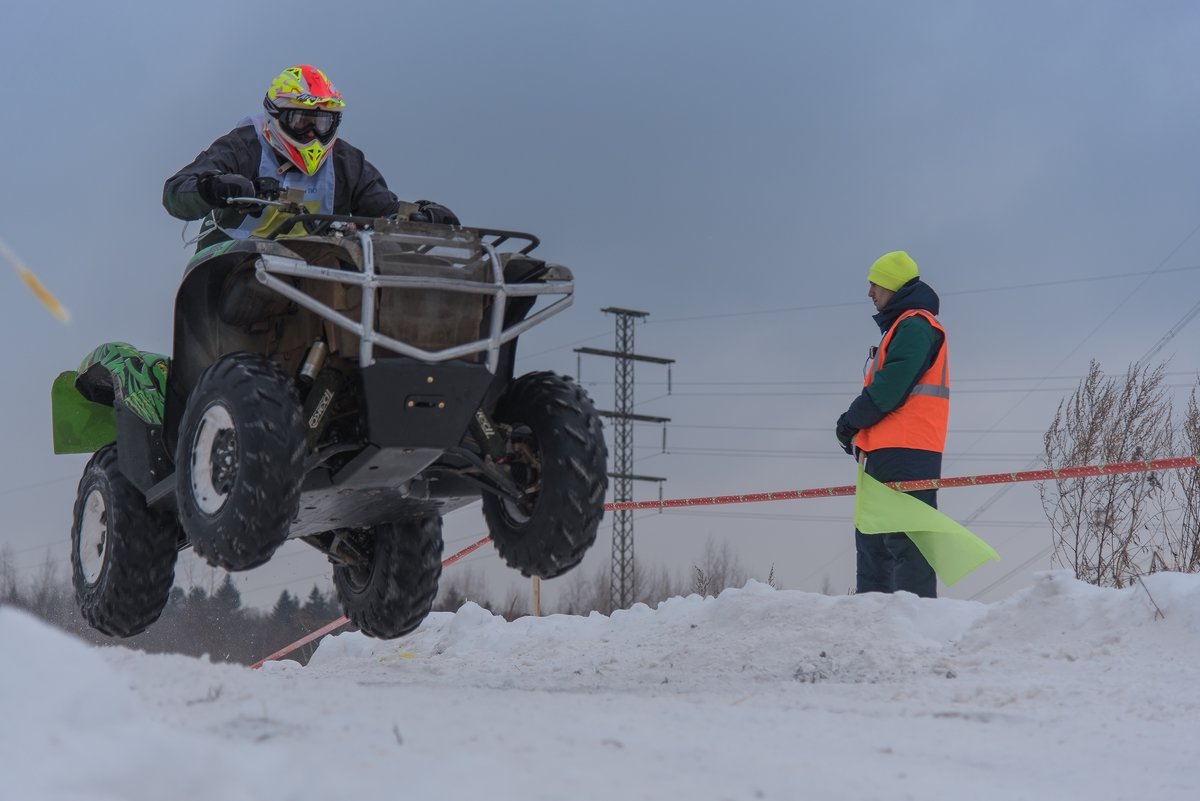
[[80, 425], [83, 402]]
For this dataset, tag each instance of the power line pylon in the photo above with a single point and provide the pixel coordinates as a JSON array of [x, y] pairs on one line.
[[621, 585]]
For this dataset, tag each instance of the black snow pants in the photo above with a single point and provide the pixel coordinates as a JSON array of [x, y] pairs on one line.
[[891, 562]]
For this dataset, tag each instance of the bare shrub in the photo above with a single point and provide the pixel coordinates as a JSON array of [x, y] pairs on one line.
[[1104, 527], [1179, 547], [718, 568], [516, 604]]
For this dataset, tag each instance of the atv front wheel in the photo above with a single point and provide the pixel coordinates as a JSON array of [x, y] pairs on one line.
[[122, 553], [240, 460], [391, 591], [557, 455]]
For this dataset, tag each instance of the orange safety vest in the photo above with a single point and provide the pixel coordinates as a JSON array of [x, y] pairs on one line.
[[920, 420]]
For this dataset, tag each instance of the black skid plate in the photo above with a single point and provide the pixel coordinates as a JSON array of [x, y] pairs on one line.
[[416, 405]]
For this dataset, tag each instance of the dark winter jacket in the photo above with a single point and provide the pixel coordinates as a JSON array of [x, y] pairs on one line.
[[910, 353], [359, 189]]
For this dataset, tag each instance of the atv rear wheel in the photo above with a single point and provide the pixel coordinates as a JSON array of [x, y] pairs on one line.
[[556, 452], [392, 590], [122, 553], [240, 460]]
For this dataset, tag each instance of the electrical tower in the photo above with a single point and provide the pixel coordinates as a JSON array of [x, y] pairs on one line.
[[621, 585]]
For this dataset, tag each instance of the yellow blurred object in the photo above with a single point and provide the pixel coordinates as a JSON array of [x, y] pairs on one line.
[[35, 286], [43, 294]]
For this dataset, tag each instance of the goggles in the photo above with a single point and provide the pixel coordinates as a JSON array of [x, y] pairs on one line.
[[305, 124]]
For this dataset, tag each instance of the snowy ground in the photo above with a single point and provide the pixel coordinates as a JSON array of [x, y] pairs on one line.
[[1064, 691]]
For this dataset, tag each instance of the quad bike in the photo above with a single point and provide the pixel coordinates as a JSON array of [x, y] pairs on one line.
[[344, 381]]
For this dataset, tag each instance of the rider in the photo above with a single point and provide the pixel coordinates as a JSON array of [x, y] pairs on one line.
[[294, 141]]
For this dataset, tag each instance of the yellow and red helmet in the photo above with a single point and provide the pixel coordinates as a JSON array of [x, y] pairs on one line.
[[303, 113]]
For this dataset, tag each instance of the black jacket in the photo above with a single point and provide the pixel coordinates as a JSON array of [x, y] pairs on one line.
[[359, 189]]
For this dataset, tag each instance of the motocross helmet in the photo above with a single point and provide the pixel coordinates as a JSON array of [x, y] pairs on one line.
[[303, 113]]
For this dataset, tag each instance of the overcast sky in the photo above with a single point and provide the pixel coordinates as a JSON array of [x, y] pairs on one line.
[[732, 169]]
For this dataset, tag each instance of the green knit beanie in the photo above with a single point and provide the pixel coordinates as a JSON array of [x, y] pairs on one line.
[[893, 270]]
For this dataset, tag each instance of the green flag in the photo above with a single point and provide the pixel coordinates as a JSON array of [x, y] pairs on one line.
[[951, 550]]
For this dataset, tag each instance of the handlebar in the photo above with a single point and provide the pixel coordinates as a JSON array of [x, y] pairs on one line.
[[314, 223], [293, 208]]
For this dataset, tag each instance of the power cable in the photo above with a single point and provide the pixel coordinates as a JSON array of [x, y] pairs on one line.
[[816, 306], [841, 382], [1007, 288], [835, 393], [1037, 556], [567, 345], [1037, 459], [823, 429], [683, 450], [817, 518]]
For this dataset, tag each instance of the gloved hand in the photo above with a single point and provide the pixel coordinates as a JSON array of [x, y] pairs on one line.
[[845, 435], [436, 213], [216, 190]]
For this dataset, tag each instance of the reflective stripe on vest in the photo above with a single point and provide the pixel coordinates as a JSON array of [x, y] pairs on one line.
[[318, 188], [920, 421]]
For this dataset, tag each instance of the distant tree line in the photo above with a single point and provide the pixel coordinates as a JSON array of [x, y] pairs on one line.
[[215, 622], [195, 621]]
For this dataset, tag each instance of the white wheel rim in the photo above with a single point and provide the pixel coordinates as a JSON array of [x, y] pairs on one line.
[[215, 422], [515, 513], [93, 536]]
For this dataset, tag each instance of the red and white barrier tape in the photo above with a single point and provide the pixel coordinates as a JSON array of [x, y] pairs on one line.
[[1085, 471]]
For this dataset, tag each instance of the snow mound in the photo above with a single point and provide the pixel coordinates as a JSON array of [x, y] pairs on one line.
[[74, 726], [1062, 691]]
